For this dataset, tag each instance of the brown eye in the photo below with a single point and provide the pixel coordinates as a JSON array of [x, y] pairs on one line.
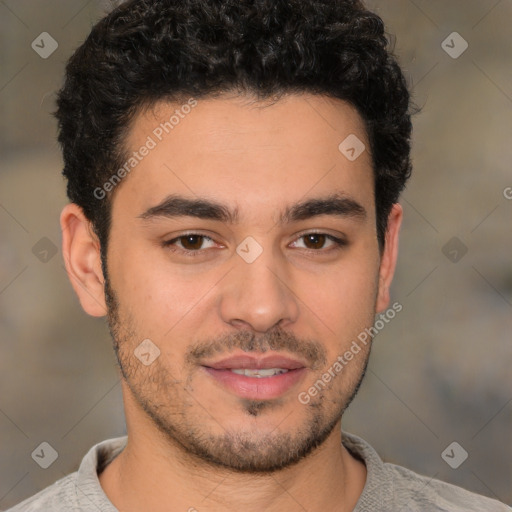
[[191, 242], [314, 240], [319, 242]]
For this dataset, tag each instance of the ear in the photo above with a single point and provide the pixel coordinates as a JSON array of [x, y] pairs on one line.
[[81, 252], [389, 257]]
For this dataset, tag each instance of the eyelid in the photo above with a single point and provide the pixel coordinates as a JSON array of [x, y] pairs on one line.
[[313, 231], [172, 241], [338, 242]]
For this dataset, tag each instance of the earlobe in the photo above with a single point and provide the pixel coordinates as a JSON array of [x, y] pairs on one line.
[[389, 257], [81, 252]]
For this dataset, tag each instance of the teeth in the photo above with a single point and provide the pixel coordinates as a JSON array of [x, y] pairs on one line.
[[263, 372]]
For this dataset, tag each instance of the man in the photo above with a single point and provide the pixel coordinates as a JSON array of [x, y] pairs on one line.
[[234, 170]]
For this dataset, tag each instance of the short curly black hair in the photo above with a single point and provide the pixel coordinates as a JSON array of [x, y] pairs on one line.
[[147, 51]]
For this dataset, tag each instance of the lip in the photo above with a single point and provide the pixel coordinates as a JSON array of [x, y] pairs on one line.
[[263, 362], [256, 388]]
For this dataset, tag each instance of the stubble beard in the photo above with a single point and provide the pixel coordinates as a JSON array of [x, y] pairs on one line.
[[178, 414]]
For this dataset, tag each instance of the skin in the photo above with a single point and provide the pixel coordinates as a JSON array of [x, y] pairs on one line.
[[191, 443]]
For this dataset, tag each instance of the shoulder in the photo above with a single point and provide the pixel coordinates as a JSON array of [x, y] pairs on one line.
[[419, 492], [81, 490], [60, 496], [390, 487]]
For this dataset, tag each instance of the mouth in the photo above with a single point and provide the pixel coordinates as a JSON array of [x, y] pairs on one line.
[[259, 373], [256, 378]]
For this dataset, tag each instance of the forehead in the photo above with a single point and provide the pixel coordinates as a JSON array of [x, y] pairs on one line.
[[234, 148]]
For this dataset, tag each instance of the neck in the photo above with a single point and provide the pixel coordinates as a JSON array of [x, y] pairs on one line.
[[152, 474]]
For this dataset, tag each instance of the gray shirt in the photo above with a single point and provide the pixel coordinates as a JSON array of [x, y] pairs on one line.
[[388, 488]]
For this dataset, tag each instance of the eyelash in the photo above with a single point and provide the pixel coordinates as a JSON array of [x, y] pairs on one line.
[[339, 244]]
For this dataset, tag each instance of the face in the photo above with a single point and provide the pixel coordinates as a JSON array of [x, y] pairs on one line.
[[244, 240]]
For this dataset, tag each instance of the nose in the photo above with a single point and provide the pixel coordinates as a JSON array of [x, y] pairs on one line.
[[259, 294]]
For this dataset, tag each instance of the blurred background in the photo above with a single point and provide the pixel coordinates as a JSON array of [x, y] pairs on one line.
[[439, 371]]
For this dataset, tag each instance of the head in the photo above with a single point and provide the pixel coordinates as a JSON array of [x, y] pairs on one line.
[[234, 171]]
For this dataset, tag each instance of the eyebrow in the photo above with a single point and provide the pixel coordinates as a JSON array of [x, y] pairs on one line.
[[336, 205]]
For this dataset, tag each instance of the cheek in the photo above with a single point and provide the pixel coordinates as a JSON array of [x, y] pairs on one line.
[[162, 298], [157, 294], [343, 296]]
